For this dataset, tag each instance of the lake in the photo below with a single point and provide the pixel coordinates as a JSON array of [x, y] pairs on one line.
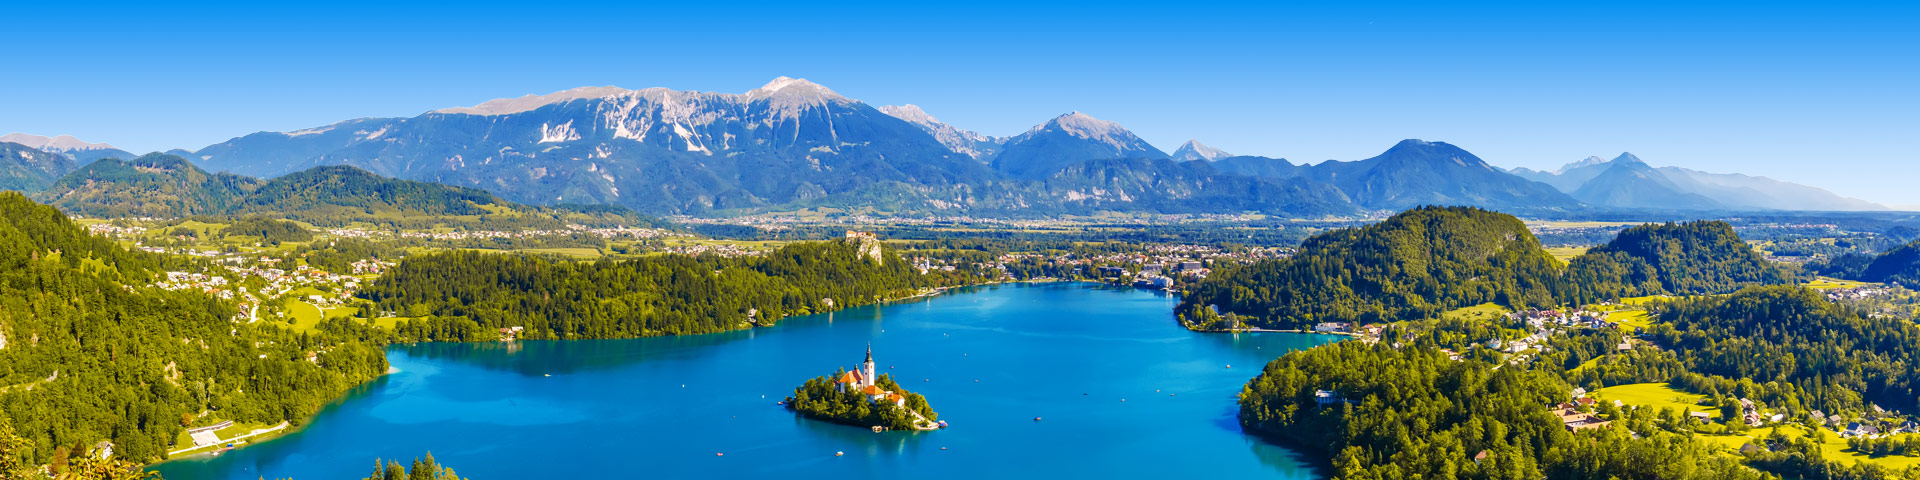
[[1123, 391]]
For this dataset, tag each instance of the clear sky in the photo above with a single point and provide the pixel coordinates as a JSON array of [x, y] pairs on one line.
[[1824, 93]]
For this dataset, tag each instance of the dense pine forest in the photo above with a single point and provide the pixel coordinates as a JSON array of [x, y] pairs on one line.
[[1429, 260], [471, 294], [1798, 348], [91, 353], [1412, 413]]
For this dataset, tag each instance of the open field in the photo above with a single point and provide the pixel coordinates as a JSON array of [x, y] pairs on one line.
[[1656, 396], [1825, 283], [1833, 448], [1565, 254], [1484, 311], [306, 317], [1635, 320]]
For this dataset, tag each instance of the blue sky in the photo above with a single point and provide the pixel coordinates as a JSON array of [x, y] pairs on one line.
[[1824, 93]]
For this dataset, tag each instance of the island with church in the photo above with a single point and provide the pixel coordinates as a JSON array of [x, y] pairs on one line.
[[864, 399]]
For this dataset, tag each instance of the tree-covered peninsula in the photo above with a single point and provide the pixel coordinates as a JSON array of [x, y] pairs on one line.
[[469, 295], [94, 359]]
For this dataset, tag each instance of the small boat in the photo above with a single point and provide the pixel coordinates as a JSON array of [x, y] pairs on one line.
[[1036, 419], [719, 454], [839, 453], [878, 429], [942, 424], [547, 375], [943, 448]]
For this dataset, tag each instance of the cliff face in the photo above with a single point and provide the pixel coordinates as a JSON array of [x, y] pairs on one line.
[[868, 246]]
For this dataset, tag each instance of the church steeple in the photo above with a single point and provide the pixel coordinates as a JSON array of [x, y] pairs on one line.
[[866, 369]]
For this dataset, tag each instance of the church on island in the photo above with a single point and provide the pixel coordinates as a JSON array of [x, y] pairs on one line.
[[863, 380]]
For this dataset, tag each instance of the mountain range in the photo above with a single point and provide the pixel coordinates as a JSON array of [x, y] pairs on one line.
[[1628, 182], [794, 144]]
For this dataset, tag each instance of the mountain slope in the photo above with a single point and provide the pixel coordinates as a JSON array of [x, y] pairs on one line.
[[1162, 185], [1628, 183], [1066, 140], [27, 169], [267, 154], [1194, 150], [964, 142], [1260, 167], [1416, 172]]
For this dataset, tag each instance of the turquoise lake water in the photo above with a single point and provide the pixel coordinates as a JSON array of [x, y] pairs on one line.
[[1123, 391]]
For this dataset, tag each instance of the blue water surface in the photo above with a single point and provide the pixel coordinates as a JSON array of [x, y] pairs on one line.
[[1123, 392]]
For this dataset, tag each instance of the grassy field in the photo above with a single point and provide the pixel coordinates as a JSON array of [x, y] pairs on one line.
[[1833, 448], [1484, 311], [1634, 320], [1824, 283], [305, 316], [1565, 254], [1655, 396], [185, 440]]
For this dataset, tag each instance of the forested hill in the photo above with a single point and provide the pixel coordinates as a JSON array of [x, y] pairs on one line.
[[469, 294], [1411, 412], [1413, 265], [1693, 258], [160, 185], [1432, 259], [1900, 265], [89, 357], [1834, 359], [154, 185]]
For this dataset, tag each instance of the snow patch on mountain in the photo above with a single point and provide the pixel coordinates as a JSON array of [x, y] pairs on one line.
[[1194, 150], [558, 133]]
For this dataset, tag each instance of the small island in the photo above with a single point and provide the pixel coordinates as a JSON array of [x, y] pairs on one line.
[[863, 399]]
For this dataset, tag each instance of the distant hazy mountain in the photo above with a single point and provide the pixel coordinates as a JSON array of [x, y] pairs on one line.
[[267, 154], [1066, 140], [1568, 178], [1416, 172], [1680, 188], [1627, 182], [79, 151], [964, 142], [1194, 150], [29, 169]]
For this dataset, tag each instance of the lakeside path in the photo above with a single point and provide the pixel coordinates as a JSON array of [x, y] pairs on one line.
[[276, 428]]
